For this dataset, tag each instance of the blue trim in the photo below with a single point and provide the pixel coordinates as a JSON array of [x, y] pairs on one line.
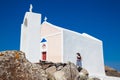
[[43, 40]]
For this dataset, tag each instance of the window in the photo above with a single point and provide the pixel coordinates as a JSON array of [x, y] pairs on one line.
[[25, 22]]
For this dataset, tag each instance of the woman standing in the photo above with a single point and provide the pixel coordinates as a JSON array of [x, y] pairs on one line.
[[78, 63]]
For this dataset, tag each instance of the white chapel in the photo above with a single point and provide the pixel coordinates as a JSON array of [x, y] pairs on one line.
[[45, 41]]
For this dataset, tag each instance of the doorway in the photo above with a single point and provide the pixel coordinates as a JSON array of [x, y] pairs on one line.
[[44, 56]]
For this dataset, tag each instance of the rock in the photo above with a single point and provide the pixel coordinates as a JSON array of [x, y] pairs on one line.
[[111, 72], [70, 71], [60, 64], [84, 71], [95, 78], [79, 68], [60, 75], [81, 76], [45, 64], [15, 66], [59, 68], [50, 77], [51, 70]]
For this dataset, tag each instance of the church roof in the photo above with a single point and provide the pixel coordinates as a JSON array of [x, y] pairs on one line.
[[77, 33]]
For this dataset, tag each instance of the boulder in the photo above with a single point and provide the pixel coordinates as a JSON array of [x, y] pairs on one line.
[[60, 64], [70, 71], [45, 64], [59, 68], [84, 71], [111, 72], [50, 77], [81, 76], [15, 66], [51, 70], [60, 75]]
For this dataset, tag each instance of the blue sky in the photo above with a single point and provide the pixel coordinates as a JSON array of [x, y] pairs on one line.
[[99, 18]]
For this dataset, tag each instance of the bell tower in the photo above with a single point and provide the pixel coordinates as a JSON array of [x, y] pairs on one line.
[[30, 35]]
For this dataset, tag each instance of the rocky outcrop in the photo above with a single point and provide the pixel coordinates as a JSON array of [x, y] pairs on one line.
[[68, 72], [111, 72], [14, 66], [65, 71]]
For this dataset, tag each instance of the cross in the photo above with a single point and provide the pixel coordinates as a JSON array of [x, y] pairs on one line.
[[30, 9], [45, 19]]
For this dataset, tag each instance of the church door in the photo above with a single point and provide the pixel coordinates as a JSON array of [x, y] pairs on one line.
[[44, 56]]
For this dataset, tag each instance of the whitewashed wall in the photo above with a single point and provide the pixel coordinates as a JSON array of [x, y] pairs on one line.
[[53, 36], [30, 36], [90, 48]]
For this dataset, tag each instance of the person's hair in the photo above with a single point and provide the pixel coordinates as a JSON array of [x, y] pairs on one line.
[[78, 54]]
